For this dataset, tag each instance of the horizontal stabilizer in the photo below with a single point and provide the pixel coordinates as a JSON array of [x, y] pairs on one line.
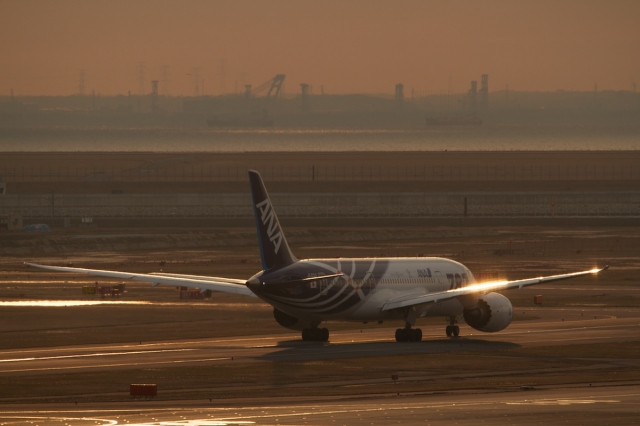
[[293, 283]]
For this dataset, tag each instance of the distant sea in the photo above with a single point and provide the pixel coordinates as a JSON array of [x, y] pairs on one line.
[[472, 138]]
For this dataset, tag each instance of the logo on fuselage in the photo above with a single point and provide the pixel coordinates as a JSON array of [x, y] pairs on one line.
[[424, 273], [268, 218]]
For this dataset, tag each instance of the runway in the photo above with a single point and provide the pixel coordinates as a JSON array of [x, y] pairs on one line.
[[554, 326], [584, 405], [368, 400]]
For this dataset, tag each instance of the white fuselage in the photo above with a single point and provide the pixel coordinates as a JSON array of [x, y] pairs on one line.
[[366, 286]]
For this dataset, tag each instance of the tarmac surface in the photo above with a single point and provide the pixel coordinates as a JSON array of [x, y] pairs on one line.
[[614, 403], [559, 326], [579, 404], [350, 400]]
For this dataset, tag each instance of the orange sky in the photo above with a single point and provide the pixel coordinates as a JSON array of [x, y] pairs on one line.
[[349, 46]]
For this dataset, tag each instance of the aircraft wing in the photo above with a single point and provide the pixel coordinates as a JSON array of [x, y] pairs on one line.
[[201, 278], [224, 285], [481, 288]]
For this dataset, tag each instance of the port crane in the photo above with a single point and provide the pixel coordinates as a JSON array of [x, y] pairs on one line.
[[273, 85]]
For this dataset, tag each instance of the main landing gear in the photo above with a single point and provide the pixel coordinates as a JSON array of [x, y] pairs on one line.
[[452, 329], [315, 334], [408, 334]]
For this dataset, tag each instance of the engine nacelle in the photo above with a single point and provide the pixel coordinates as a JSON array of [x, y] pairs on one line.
[[291, 322], [493, 312]]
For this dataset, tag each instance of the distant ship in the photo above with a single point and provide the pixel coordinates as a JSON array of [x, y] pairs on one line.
[[253, 120], [456, 120]]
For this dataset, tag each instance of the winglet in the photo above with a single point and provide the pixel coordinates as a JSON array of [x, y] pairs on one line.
[[274, 250]]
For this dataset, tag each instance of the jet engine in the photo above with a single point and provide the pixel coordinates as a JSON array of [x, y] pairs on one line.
[[291, 322], [493, 312]]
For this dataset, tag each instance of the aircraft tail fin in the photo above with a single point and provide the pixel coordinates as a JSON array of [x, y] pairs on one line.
[[274, 250]]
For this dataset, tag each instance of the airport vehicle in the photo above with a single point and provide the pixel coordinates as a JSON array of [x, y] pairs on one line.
[[305, 293]]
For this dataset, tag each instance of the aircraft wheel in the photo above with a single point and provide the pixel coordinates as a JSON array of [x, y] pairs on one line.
[[416, 335], [408, 335], [449, 330], [324, 334], [315, 334], [456, 330]]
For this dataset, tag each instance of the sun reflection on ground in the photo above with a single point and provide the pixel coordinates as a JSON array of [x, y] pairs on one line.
[[62, 303], [72, 303]]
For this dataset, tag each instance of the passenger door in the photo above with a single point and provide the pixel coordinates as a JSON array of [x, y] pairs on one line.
[[442, 281]]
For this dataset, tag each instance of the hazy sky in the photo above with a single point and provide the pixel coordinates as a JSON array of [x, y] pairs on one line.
[[347, 46]]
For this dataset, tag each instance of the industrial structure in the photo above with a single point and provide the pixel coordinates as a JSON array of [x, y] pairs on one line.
[[473, 96], [81, 83], [484, 91], [274, 86], [399, 95], [267, 105], [154, 96], [304, 97]]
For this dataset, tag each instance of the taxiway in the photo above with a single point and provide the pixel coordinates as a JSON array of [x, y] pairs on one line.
[[555, 326]]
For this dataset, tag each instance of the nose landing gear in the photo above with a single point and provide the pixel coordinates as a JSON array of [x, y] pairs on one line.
[[452, 329]]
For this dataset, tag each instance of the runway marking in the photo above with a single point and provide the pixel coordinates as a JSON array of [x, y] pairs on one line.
[[564, 401], [337, 409], [75, 419], [146, 363], [595, 289], [339, 346], [335, 343], [292, 411], [201, 422], [204, 343], [576, 339], [104, 410], [93, 355], [136, 345], [568, 328], [68, 303], [75, 303]]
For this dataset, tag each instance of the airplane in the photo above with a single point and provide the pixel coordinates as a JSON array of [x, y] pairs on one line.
[[305, 293]]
